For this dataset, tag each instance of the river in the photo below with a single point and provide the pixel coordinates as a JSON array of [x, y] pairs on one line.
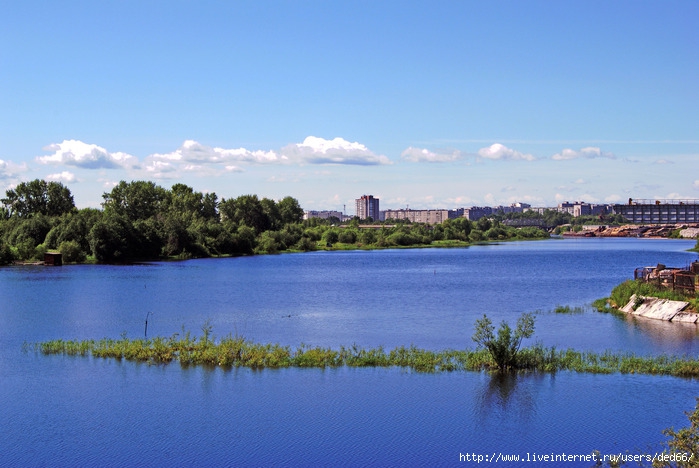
[[70, 411]]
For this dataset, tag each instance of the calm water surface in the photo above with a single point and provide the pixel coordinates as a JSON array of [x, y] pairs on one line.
[[62, 411]]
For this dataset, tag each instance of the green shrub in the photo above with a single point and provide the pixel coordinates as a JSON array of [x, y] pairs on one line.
[[72, 253], [504, 347]]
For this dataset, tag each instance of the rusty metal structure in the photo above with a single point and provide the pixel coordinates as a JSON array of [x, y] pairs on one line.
[[683, 280]]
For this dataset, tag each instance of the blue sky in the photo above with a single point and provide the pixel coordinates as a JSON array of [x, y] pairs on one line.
[[426, 104]]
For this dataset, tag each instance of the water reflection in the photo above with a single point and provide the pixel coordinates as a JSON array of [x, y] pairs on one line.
[[503, 393], [667, 337]]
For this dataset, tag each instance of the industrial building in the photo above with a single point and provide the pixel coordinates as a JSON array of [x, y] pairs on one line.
[[659, 211]]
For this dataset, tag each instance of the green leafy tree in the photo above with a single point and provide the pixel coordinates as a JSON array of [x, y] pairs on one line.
[[331, 236], [135, 200], [290, 210], [347, 236], [74, 226], [183, 200], [483, 224], [271, 211], [38, 197], [71, 251], [504, 346], [247, 210], [111, 239], [684, 442], [33, 229], [6, 256]]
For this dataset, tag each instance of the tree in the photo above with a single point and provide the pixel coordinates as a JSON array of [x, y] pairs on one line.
[[6, 256], [484, 224], [504, 347], [38, 197], [247, 210], [184, 200], [111, 239], [271, 211], [290, 210], [72, 253], [74, 227], [682, 444], [135, 200]]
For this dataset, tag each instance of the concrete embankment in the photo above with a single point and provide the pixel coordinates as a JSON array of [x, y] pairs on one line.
[[660, 309]]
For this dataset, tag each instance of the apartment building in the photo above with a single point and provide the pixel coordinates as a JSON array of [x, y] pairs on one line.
[[367, 207]]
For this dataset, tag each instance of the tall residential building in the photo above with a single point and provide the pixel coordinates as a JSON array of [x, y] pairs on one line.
[[367, 207]]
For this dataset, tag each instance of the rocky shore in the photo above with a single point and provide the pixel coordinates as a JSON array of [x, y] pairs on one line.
[[635, 230]]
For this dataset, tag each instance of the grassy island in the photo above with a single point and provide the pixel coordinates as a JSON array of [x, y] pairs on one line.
[[236, 351]]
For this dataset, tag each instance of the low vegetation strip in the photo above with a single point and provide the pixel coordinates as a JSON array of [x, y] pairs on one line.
[[236, 351]]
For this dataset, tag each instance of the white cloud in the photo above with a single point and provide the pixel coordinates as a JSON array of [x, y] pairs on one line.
[[696, 184], [674, 196], [502, 152], [194, 152], [160, 169], [64, 176], [316, 150], [88, 156], [589, 152], [195, 158], [460, 201], [424, 155], [613, 199], [9, 169], [664, 161]]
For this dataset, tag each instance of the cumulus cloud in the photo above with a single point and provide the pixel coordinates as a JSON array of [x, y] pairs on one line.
[[696, 184], [160, 169], [194, 152], [316, 150], [85, 155], [63, 176], [425, 155], [502, 152], [9, 170], [589, 152], [196, 158]]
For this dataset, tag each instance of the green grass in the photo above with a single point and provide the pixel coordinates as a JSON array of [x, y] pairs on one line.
[[568, 310], [621, 295], [236, 351]]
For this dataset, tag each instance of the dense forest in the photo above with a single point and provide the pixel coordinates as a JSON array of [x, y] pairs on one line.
[[141, 220]]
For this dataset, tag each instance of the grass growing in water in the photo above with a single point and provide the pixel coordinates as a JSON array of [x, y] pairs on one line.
[[236, 351], [568, 310]]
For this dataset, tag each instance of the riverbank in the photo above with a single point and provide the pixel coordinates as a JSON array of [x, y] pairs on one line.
[[652, 231]]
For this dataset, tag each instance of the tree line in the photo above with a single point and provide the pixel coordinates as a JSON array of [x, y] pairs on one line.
[[142, 220]]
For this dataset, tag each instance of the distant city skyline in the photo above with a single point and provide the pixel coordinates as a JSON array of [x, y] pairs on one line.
[[444, 105]]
